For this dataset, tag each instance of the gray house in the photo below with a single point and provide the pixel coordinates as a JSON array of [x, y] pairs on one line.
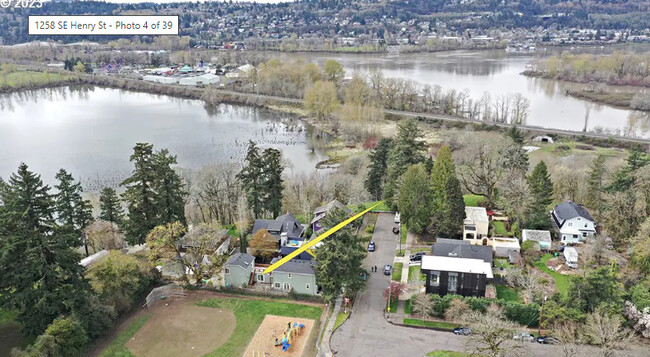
[[295, 274], [461, 249], [238, 270], [286, 226]]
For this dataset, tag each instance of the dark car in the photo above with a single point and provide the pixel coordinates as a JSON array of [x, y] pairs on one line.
[[546, 340], [387, 269], [396, 230], [524, 337], [417, 256], [371, 246], [466, 331]]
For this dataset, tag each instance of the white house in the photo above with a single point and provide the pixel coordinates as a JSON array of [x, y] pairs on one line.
[[476, 225], [502, 246], [573, 222], [571, 257], [541, 237]]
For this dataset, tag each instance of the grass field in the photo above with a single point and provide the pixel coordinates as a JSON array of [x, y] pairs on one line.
[[408, 306], [437, 324], [397, 272], [250, 314], [365, 205], [473, 200], [117, 348], [403, 232], [31, 79], [500, 229], [507, 293], [561, 281], [414, 273]]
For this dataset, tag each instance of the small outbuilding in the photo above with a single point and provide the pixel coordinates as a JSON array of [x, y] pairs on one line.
[[239, 269], [541, 237]]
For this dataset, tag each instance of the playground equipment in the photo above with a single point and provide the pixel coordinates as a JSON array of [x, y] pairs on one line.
[[288, 335]]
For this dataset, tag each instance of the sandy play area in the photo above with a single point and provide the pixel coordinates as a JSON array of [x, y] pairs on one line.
[[180, 328], [262, 343]]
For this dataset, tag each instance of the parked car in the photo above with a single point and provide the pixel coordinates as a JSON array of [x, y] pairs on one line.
[[387, 269], [466, 331], [397, 220], [417, 257], [371, 246], [524, 337], [396, 230], [546, 340]]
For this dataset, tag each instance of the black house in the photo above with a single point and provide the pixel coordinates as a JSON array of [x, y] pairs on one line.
[[452, 275]]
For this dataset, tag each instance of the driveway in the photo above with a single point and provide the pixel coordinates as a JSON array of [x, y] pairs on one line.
[[366, 333]]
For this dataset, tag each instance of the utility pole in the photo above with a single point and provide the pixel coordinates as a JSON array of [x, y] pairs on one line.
[[541, 312]]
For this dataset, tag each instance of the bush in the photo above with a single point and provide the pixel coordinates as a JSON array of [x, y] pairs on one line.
[[525, 314], [370, 228], [65, 337]]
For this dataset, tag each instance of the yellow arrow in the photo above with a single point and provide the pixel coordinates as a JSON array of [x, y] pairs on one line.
[[311, 252], [312, 242]]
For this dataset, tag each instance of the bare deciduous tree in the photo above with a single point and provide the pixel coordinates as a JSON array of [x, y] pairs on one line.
[[422, 305], [606, 331], [567, 336], [104, 235], [492, 334]]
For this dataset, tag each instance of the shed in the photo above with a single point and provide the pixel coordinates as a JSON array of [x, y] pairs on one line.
[[542, 237], [503, 245], [160, 79], [238, 269], [204, 79]]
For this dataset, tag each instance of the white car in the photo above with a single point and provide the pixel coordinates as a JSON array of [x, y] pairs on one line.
[[397, 217]]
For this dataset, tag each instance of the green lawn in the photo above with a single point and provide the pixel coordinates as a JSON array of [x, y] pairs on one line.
[[403, 232], [408, 306], [561, 281], [399, 253], [473, 200], [414, 273], [502, 263], [117, 347], [340, 319], [32, 79], [397, 272], [500, 229], [393, 304], [507, 293], [450, 354], [436, 324], [7, 316], [357, 207], [249, 314], [421, 249]]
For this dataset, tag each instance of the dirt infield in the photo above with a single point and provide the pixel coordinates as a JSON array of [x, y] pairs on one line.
[[180, 328], [272, 326]]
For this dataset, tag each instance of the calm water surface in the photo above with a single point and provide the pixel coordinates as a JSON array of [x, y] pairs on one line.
[[498, 72], [91, 132]]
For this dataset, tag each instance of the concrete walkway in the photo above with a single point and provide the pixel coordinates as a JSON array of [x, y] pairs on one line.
[[324, 349]]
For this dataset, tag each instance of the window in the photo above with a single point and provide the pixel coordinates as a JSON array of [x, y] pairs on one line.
[[289, 275], [585, 225], [307, 286], [570, 224], [453, 280], [287, 286], [277, 285], [260, 277], [227, 271], [575, 236], [435, 278]]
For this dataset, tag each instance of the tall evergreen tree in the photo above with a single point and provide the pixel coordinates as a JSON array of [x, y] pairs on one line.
[[340, 259], [624, 178], [252, 179], [72, 211], [451, 221], [41, 275], [110, 206], [377, 170], [595, 183], [168, 186], [272, 181], [414, 198], [428, 165], [443, 169], [406, 150], [140, 195], [541, 189]]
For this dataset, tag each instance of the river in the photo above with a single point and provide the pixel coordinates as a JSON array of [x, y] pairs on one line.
[[499, 72], [90, 131]]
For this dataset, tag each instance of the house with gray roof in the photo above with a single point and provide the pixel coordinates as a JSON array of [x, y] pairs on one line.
[[321, 212], [297, 275], [573, 222], [461, 249], [238, 271], [286, 225]]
